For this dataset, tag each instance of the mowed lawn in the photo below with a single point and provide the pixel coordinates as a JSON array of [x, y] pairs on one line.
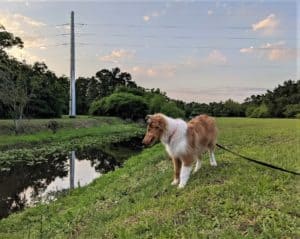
[[237, 199]]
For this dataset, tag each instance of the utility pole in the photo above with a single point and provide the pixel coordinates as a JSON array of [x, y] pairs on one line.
[[72, 105]]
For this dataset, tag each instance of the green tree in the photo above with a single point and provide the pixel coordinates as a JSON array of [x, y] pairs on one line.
[[8, 40], [170, 109], [261, 111], [124, 105], [82, 102], [291, 110]]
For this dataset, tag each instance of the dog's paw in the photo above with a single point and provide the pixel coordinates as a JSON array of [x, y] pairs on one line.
[[175, 182], [180, 186]]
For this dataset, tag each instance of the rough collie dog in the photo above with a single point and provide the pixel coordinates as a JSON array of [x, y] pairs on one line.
[[184, 142]]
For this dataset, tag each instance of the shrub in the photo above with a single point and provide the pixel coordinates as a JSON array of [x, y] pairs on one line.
[[124, 105], [53, 126], [249, 110], [97, 107], [261, 111], [291, 110], [156, 103], [170, 109]]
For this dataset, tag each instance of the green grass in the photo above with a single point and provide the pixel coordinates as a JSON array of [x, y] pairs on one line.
[[31, 126], [69, 129], [237, 199]]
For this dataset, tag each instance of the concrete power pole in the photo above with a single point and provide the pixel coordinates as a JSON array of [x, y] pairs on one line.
[[72, 106]]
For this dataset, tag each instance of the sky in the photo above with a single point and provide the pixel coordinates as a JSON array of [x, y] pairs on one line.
[[199, 51]]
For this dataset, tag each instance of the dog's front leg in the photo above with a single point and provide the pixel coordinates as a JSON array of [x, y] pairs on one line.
[[177, 167], [185, 171]]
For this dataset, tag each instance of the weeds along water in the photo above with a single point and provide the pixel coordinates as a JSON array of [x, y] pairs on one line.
[[30, 176]]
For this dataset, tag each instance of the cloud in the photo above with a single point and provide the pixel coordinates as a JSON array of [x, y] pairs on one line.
[[272, 51], [155, 14], [165, 71], [215, 57], [23, 27], [212, 94], [146, 18], [116, 55], [267, 25], [210, 12], [24, 55], [247, 50], [17, 23]]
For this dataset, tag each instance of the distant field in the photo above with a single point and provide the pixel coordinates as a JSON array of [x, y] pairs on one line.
[[237, 199], [36, 125], [36, 131]]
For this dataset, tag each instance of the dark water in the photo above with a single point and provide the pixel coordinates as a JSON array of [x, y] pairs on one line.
[[24, 185]]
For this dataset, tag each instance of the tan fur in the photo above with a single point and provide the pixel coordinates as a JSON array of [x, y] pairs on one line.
[[202, 135], [177, 166]]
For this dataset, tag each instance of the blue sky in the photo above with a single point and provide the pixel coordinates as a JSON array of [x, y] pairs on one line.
[[193, 50]]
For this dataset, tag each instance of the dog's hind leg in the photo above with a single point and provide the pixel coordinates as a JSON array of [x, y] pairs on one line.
[[177, 167], [198, 165], [212, 158], [185, 171]]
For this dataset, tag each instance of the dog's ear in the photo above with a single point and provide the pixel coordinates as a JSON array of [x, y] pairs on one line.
[[148, 118]]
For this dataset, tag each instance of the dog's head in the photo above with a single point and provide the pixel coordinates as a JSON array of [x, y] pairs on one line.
[[155, 129]]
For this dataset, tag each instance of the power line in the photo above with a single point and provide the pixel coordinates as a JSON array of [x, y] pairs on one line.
[[180, 47], [145, 26], [195, 37], [189, 37]]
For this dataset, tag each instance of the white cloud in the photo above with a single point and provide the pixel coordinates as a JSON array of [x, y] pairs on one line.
[[215, 57], [155, 14], [24, 27], [165, 71], [267, 25], [24, 55], [146, 18], [210, 12], [272, 51], [116, 55], [247, 50], [17, 23]]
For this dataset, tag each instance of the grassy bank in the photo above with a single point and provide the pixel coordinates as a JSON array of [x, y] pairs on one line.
[[36, 148], [68, 129], [30, 126], [237, 199]]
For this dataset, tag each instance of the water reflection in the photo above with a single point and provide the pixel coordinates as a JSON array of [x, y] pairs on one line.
[[24, 185], [72, 169]]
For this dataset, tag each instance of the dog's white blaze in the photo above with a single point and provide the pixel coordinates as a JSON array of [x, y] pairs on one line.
[[184, 175], [212, 159], [178, 143]]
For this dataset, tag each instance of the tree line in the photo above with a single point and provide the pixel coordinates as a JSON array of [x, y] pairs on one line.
[[33, 91]]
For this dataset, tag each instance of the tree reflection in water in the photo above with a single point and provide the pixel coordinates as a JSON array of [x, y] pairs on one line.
[[23, 184]]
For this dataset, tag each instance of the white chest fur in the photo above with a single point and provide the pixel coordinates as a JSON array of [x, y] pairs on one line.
[[175, 137]]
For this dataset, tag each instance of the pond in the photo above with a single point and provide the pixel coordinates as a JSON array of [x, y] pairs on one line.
[[25, 185]]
